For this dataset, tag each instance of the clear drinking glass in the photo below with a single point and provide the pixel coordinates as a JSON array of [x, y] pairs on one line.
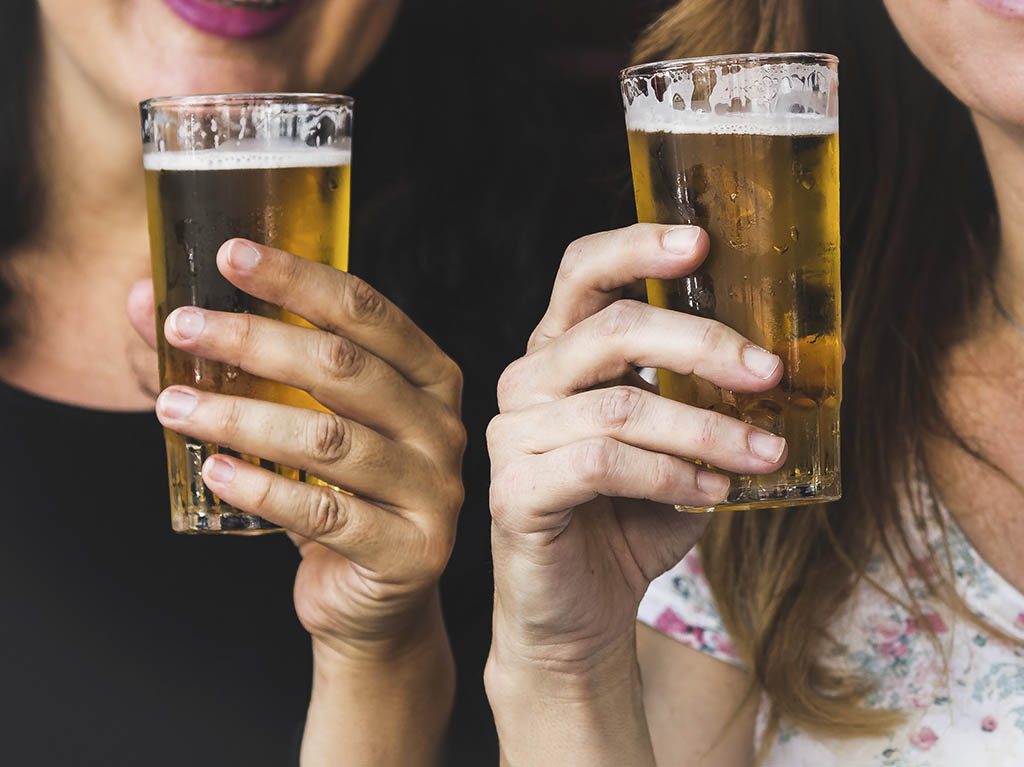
[[273, 168], [747, 147]]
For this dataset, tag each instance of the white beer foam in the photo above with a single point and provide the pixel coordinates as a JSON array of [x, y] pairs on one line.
[[246, 159], [737, 125], [775, 99]]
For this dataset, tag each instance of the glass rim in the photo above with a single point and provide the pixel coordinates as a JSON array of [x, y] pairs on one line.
[[236, 99], [669, 65]]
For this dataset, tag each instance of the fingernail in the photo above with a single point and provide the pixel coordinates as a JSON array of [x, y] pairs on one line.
[[760, 362], [767, 447], [218, 470], [188, 323], [714, 486], [242, 255], [681, 239], [176, 403]]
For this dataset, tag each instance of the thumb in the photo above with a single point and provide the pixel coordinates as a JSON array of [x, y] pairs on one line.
[[663, 534], [141, 310]]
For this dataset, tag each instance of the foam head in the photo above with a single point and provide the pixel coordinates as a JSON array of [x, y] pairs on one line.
[[754, 98], [247, 158]]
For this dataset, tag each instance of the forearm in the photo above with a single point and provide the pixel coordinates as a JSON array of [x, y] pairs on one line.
[[592, 718], [381, 710]]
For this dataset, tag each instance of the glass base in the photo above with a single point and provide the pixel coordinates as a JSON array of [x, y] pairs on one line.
[[199, 522], [756, 498]]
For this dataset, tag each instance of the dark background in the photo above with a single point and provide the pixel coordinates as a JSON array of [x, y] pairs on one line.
[[488, 136]]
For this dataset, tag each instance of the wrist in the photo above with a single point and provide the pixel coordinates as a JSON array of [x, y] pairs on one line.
[[418, 629], [550, 713]]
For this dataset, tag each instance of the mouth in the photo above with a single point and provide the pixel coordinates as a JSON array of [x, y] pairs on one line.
[[1013, 9], [239, 19]]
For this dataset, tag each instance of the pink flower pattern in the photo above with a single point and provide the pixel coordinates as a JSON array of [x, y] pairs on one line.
[[924, 738], [954, 681]]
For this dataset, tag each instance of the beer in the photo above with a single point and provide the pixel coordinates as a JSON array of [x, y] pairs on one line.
[[766, 189], [296, 201]]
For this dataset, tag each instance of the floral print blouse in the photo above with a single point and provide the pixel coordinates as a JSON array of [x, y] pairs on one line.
[[970, 714]]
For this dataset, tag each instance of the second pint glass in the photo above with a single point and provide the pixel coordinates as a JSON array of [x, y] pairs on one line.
[[747, 147], [272, 168]]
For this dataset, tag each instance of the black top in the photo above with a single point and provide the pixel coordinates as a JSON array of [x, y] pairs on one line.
[[122, 643]]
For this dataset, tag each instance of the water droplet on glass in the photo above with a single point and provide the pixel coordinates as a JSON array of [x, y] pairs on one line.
[[794, 234]]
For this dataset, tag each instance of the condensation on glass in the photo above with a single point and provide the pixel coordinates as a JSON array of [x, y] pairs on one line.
[[272, 168], [747, 147]]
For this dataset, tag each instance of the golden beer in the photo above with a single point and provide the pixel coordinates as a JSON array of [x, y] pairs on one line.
[[766, 189], [285, 194]]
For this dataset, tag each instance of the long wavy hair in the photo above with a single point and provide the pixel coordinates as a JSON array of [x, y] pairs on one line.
[[919, 230]]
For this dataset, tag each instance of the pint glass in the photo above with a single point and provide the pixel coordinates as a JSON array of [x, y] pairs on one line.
[[747, 147], [272, 168]]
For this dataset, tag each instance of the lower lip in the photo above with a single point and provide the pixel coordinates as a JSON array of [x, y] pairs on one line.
[[233, 21], [1011, 8]]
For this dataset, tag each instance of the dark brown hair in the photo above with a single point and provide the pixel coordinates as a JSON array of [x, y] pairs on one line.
[[918, 223]]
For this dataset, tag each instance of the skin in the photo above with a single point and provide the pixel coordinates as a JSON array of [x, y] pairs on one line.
[[571, 564], [366, 589]]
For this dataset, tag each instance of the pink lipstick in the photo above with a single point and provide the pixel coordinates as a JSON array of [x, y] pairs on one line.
[[235, 18], [1012, 8]]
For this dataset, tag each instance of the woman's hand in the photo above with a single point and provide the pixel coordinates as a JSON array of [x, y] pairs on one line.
[[587, 462], [371, 560]]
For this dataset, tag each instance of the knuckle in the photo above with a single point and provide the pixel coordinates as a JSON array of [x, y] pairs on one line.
[[326, 514], [452, 372], [497, 428], [663, 476], [619, 318], [456, 436], [437, 552], [340, 357], [289, 266], [709, 426], [711, 337], [362, 302], [330, 439], [639, 236], [617, 407], [262, 495], [244, 334], [595, 460], [572, 259], [230, 418], [509, 382], [501, 494]]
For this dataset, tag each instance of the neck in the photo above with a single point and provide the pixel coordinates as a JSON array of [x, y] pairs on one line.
[[983, 383], [73, 341], [1004, 153]]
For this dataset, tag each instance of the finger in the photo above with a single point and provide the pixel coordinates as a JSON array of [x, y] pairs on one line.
[[337, 372], [628, 334], [640, 419], [341, 304], [533, 494], [364, 533], [596, 268], [332, 448], [141, 312]]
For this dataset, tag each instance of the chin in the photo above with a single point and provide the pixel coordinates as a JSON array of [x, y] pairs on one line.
[[974, 47], [135, 49]]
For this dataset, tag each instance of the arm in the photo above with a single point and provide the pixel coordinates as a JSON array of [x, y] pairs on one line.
[[700, 710], [547, 716], [388, 708], [584, 478], [381, 421]]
